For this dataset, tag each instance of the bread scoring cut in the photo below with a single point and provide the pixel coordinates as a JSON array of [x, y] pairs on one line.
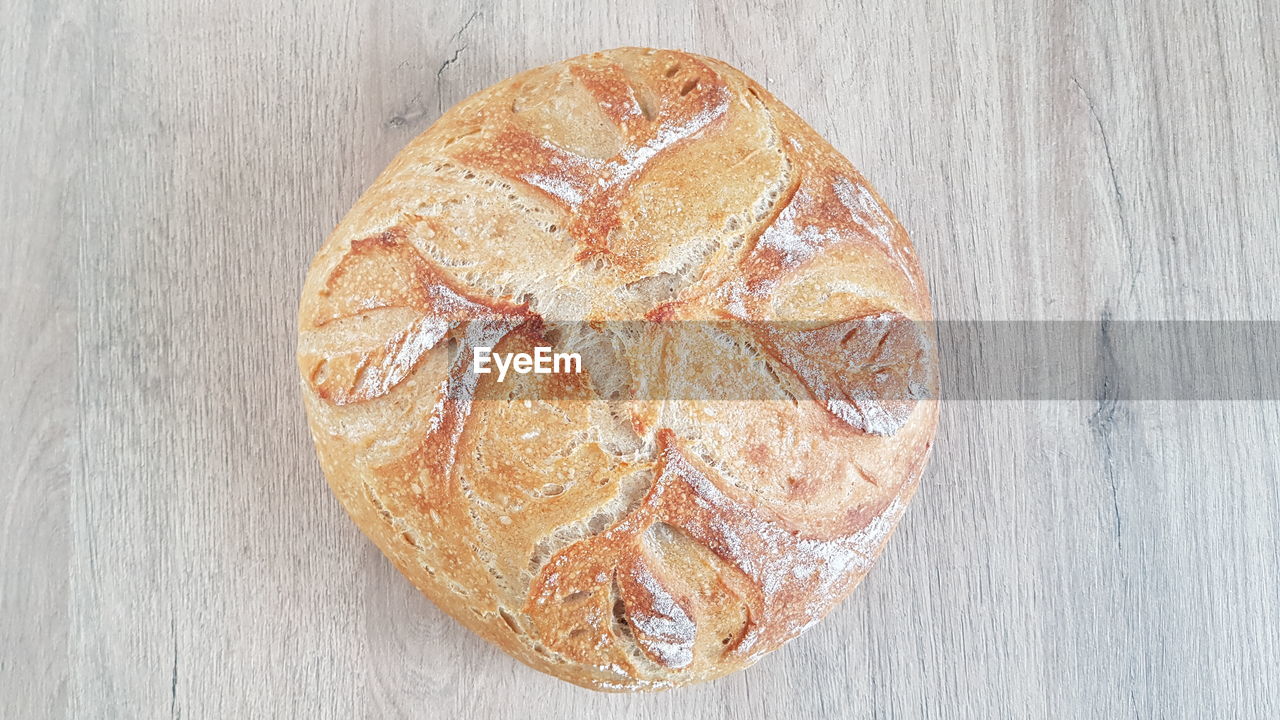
[[632, 526]]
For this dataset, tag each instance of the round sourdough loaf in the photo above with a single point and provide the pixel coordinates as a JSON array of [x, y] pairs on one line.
[[758, 390]]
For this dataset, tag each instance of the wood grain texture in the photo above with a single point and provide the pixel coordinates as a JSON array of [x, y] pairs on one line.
[[168, 546]]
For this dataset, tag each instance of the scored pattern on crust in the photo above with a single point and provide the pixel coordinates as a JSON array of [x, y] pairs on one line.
[[590, 189], [594, 599], [381, 272], [791, 580]]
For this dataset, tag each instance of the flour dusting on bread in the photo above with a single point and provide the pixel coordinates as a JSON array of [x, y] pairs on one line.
[[636, 525]]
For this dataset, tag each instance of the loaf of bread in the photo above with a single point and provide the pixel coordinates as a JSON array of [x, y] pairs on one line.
[[757, 390]]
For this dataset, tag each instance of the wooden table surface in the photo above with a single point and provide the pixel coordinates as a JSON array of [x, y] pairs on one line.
[[167, 543]]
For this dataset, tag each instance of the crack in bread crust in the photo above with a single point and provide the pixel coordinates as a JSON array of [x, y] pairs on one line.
[[531, 514], [592, 190]]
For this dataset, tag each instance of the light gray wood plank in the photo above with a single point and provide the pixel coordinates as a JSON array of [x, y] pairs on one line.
[[44, 103], [169, 546]]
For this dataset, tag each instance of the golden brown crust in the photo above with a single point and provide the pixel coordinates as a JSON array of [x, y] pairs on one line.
[[627, 528]]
